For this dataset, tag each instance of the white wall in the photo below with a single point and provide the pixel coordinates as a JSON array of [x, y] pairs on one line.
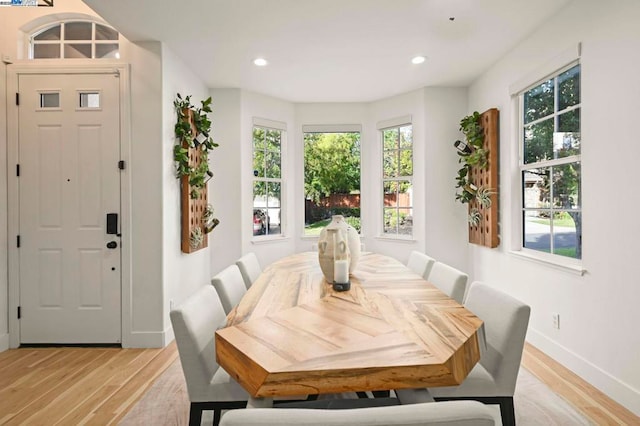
[[598, 311], [225, 241], [183, 273]]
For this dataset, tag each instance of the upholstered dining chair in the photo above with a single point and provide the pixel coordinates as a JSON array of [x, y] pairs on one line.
[[450, 280], [209, 386], [454, 413], [420, 263], [493, 379], [249, 268], [230, 287]]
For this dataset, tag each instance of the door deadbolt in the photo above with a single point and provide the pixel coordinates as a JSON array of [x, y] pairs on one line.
[[112, 245]]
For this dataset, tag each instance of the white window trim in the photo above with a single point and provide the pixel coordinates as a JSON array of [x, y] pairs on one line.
[[565, 60], [383, 125], [330, 128], [282, 128], [29, 36]]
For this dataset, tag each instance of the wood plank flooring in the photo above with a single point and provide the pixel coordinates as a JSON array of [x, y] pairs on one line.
[[98, 386], [73, 386]]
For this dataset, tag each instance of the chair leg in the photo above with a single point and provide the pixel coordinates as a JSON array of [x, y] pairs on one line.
[[217, 413], [195, 415]]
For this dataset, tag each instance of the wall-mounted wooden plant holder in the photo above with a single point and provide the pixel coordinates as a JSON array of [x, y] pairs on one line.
[[486, 233], [192, 209]]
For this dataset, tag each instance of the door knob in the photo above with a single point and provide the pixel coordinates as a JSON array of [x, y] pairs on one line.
[[112, 245]]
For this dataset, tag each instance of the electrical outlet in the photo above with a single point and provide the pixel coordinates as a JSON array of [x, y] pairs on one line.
[[556, 321]]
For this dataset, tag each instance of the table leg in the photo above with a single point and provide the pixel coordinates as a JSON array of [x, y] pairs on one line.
[[255, 402], [413, 396]]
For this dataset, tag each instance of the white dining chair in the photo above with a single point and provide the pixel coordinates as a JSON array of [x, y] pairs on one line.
[[420, 263], [493, 379], [209, 387], [230, 286], [249, 268], [454, 413], [450, 280]]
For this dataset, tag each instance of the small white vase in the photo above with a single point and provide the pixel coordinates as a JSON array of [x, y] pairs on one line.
[[352, 236]]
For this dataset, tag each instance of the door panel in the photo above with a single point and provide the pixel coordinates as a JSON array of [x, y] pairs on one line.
[[70, 282]]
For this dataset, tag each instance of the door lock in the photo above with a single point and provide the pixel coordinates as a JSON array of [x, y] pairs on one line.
[[112, 245]]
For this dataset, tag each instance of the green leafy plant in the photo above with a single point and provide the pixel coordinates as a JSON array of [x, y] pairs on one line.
[[470, 154], [192, 130]]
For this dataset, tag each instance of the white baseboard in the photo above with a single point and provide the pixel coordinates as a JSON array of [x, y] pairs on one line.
[[4, 342], [144, 339], [613, 387]]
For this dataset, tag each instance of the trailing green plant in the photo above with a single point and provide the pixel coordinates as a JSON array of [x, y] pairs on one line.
[[192, 130], [470, 154]]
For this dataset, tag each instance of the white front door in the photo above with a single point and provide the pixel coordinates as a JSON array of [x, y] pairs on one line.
[[69, 266]]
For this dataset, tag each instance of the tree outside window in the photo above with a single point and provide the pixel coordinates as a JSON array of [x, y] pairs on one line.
[[397, 176], [550, 165], [267, 182], [331, 179]]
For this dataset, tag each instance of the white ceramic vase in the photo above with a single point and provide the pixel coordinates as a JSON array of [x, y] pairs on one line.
[[352, 237]]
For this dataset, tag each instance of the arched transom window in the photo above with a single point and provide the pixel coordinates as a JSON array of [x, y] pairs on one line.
[[75, 39]]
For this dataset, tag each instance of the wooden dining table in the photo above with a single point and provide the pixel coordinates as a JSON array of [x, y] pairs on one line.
[[293, 334]]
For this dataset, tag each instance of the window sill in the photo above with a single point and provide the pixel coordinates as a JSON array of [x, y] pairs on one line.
[[565, 265], [396, 239], [270, 239]]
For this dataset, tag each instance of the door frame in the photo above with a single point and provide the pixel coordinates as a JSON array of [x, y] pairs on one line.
[[118, 70]]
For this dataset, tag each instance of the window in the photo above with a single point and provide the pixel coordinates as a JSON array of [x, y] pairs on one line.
[[331, 177], [397, 177], [267, 180], [550, 165], [75, 39]]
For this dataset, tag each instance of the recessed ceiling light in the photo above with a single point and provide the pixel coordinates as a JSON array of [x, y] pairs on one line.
[[261, 62], [418, 59]]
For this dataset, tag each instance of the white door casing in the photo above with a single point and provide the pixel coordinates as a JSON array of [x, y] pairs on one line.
[[65, 280]]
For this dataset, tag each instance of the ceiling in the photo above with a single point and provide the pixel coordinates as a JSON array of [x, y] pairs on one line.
[[331, 50]]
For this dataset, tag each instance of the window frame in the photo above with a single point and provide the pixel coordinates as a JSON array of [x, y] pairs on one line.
[[558, 260], [330, 128], [269, 125], [63, 41], [396, 124]]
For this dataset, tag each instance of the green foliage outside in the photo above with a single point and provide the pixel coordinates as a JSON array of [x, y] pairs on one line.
[[331, 164]]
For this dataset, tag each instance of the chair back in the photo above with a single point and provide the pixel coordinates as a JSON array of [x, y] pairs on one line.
[[450, 413], [230, 287], [420, 263], [505, 323], [450, 280], [249, 268], [194, 324]]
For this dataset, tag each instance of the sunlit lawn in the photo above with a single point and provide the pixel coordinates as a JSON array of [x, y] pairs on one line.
[[315, 228], [564, 221]]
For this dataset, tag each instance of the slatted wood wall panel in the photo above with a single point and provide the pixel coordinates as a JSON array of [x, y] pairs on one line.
[[192, 209], [487, 233]]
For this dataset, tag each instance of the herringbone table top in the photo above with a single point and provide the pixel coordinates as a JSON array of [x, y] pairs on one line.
[[292, 334]]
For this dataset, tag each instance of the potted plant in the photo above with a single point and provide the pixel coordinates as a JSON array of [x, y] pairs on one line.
[[472, 153], [192, 130]]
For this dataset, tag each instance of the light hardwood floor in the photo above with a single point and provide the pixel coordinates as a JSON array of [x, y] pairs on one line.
[[98, 386]]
